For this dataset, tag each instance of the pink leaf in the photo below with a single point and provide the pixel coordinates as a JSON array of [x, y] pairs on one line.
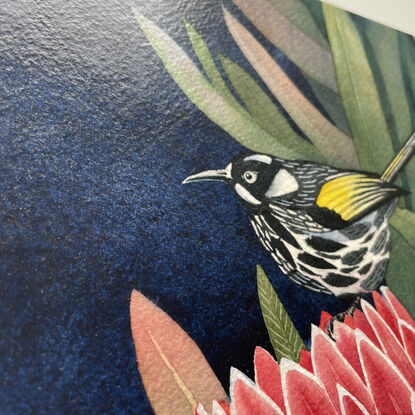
[[333, 369], [349, 405], [390, 344], [386, 313], [175, 374], [396, 306], [304, 394], [324, 319], [360, 322], [305, 360], [219, 409], [268, 376], [346, 345], [408, 339], [248, 399], [389, 389]]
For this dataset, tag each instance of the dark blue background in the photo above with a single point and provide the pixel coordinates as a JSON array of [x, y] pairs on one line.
[[95, 141]]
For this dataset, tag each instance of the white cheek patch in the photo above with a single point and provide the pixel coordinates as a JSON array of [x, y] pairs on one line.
[[245, 195], [282, 184], [259, 157]]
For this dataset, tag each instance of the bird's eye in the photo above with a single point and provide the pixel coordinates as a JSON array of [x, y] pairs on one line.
[[250, 176]]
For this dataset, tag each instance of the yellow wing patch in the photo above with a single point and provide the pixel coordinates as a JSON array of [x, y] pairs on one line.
[[353, 194]]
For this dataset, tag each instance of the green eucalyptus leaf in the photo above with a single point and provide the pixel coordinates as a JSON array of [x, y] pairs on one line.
[[337, 147], [403, 220], [399, 276], [300, 15], [312, 58], [283, 335], [332, 103], [358, 91], [383, 47], [263, 110], [208, 64], [235, 121], [315, 10]]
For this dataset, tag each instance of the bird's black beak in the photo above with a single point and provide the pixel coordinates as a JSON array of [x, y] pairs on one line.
[[223, 175]]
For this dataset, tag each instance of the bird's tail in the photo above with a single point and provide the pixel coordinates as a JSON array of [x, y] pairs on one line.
[[400, 160]]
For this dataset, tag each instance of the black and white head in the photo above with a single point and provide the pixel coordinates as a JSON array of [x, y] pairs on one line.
[[255, 178]]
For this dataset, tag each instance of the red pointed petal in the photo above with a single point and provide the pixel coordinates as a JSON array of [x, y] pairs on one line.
[[386, 313], [348, 320], [247, 399], [389, 343], [408, 339], [175, 373], [304, 394], [394, 303], [333, 370], [349, 405], [361, 323], [390, 391], [346, 345], [305, 360], [324, 319], [268, 376]]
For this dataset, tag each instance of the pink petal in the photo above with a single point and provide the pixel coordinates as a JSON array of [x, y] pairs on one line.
[[386, 313], [396, 306], [349, 405], [361, 323], [218, 408], [408, 338], [248, 399], [304, 394], [389, 389], [268, 376], [305, 360], [390, 344], [324, 319], [346, 345], [333, 369]]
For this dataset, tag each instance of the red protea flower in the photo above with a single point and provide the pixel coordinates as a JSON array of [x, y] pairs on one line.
[[369, 370]]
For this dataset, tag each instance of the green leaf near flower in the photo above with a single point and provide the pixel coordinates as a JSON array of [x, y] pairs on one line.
[[283, 335]]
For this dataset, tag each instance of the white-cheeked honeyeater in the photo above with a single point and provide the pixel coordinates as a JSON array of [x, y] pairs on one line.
[[326, 228]]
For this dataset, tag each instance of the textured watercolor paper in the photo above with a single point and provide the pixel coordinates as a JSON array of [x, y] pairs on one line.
[[207, 207]]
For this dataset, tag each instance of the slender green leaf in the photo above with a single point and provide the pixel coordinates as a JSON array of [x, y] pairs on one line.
[[331, 141], [237, 122], [358, 91], [315, 10], [399, 276], [208, 64], [309, 56], [263, 110], [297, 13], [332, 103], [407, 49], [385, 59], [403, 220], [283, 335]]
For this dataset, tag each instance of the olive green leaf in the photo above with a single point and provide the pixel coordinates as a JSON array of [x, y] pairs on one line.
[[315, 10], [313, 59], [399, 276], [300, 15], [403, 220], [237, 122], [208, 65], [334, 143], [332, 103], [358, 91], [283, 335], [263, 110]]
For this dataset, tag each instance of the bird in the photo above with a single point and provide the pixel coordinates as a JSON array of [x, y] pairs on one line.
[[325, 227]]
